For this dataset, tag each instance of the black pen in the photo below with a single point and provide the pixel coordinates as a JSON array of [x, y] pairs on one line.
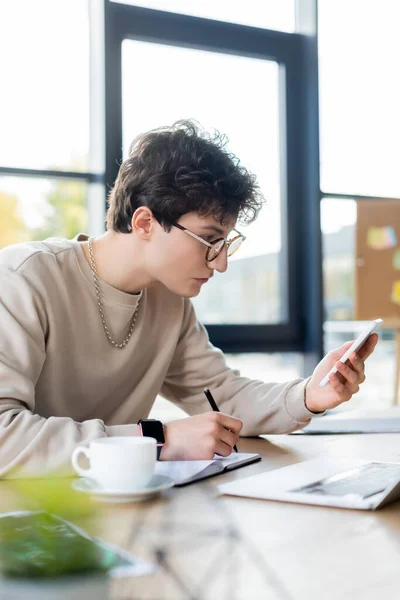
[[214, 407]]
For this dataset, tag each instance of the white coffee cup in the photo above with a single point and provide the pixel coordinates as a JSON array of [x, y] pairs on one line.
[[118, 463]]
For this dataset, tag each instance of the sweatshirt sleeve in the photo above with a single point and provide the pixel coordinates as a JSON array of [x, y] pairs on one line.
[[30, 445], [263, 407]]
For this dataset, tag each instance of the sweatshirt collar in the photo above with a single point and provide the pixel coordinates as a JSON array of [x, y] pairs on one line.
[[107, 290]]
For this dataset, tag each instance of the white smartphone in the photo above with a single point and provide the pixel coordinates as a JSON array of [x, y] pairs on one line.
[[373, 327]]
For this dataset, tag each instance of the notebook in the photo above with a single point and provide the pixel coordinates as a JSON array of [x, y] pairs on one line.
[[183, 472], [344, 483]]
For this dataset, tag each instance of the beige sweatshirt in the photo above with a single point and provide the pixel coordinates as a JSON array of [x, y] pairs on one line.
[[63, 384]]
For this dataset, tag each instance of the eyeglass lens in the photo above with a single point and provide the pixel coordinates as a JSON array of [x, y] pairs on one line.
[[218, 247], [235, 245]]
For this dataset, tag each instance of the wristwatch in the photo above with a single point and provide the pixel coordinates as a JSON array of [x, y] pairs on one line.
[[155, 429]]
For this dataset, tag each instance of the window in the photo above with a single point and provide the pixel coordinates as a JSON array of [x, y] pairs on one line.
[[359, 48], [44, 104]]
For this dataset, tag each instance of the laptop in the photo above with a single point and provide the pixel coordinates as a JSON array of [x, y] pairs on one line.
[[345, 483]]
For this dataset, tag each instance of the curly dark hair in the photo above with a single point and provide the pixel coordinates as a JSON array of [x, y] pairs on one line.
[[180, 169]]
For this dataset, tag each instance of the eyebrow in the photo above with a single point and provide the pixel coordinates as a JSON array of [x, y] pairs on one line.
[[212, 228]]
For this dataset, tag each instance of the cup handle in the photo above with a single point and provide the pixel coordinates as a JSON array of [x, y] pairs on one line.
[[74, 460]]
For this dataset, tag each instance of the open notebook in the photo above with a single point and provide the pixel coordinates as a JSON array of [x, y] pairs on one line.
[[183, 472]]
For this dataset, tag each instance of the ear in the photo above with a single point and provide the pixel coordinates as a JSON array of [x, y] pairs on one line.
[[142, 222]]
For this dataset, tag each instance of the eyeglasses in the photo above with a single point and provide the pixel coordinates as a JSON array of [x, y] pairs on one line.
[[215, 248]]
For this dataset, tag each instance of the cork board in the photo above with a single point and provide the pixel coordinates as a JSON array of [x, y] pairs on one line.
[[377, 265]]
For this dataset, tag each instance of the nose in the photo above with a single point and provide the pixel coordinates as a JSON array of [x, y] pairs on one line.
[[220, 263]]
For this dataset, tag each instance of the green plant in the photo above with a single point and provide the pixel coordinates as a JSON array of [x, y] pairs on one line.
[[42, 543]]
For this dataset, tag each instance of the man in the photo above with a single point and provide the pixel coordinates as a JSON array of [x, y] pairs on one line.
[[93, 330]]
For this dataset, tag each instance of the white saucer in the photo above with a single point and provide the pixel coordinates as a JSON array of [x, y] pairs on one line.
[[157, 484]]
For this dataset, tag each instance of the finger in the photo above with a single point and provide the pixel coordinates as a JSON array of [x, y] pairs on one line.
[[222, 449], [231, 423], [369, 346], [352, 389], [228, 438], [340, 377], [339, 387], [349, 383], [350, 380], [349, 375], [358, 366]]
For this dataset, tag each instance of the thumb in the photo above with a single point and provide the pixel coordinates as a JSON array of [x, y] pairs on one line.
[[338, 352]]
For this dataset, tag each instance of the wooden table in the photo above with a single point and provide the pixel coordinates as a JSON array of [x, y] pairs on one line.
[[211, 547]]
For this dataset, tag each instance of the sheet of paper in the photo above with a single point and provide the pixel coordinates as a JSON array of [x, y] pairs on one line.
[[235, 457], [181, 470]]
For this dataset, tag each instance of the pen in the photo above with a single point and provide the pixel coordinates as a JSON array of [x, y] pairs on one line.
[[214, 407]]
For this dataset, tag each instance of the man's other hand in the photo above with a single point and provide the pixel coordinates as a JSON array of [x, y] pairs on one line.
[[344, 383]]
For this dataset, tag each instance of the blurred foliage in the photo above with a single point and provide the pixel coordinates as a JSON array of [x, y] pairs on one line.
[[12, 226], [66, 215], [54, 495], [40, 541]]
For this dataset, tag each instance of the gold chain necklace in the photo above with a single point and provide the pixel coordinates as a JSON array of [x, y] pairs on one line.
[[100, 303]]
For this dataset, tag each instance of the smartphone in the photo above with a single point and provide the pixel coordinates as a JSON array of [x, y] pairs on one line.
[[373, 327]]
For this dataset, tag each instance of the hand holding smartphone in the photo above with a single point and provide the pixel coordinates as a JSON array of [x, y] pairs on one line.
[[373, 327]]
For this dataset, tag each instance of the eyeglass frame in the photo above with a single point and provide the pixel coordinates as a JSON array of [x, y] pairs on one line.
[[211, 244]]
